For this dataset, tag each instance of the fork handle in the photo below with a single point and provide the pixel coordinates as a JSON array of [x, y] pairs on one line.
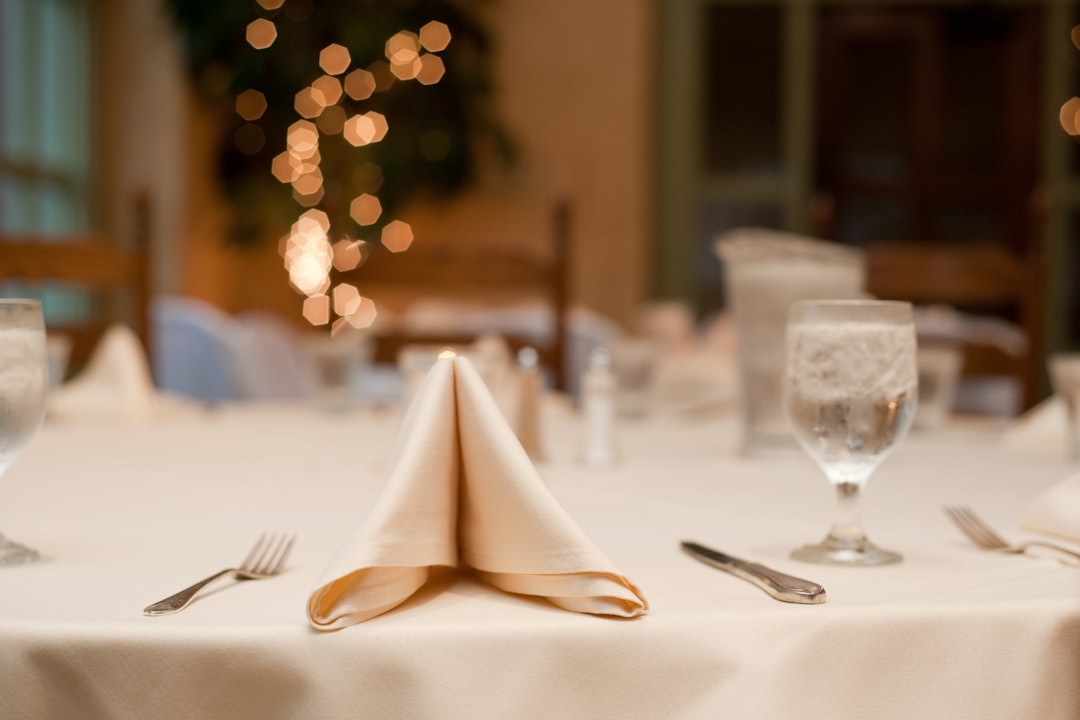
[[177, 602]]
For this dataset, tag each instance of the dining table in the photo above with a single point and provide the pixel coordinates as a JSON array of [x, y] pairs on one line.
[[126, 512]]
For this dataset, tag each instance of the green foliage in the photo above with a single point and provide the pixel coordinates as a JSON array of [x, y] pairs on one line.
[[434, 130]]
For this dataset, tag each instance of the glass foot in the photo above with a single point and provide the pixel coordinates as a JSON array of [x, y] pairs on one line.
[[835, 552], [12, 553]]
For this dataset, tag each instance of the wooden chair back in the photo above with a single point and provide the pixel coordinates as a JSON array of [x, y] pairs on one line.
[[117, 278], [493, 270], [985, 279]]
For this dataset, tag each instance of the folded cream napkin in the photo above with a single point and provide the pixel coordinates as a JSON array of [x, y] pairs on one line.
[[115, 384], [462, 491], [1056, 511]]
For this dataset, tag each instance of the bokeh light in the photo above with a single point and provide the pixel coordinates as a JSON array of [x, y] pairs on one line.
[[407, 71], [309, 102], [317, 309], [271, 4], [366, 128], [308, 254], [313, 222], [431, 70], [1074, 34], [302, 138], [358, 130], [261, 33], [363, 314], [309, 201], [250, 104], [360, 84], [346, 299], [397, 236], [334, 59], [365, 209], [378, 121], [309, 182], [286, 167], [330, 88], [402, 48], [348, 255], [1068, 116], [435, 36], [331, 120]]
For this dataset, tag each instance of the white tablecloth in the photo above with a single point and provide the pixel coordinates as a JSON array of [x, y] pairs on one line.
[[129, 514]]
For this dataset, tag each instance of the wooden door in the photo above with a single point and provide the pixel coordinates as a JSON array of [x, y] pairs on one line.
[[927, 123]]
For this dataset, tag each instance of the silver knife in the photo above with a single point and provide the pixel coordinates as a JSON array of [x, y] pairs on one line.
[[783, 587]]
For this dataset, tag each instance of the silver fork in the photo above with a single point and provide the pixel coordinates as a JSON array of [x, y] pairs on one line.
[[265, 560], [976, 529]]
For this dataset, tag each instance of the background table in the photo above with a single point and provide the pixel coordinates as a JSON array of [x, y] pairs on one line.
[[128, 514]]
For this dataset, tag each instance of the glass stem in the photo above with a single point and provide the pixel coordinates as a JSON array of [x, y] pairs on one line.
[[847, 526]]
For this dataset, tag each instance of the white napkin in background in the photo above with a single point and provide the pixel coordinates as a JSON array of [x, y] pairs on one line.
[[1056, 511], [462, 491], [115, 385], [694, 383], [1043, 429]]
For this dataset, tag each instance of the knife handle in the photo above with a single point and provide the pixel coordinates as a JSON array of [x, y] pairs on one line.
[[781, 586]]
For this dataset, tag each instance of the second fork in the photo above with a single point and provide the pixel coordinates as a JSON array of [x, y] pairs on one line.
[[979, 532]]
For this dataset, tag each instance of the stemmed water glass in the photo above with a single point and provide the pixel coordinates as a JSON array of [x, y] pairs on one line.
[[23, 387], [850, 392]]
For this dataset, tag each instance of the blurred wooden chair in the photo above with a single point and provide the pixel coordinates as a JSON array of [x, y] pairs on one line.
[[115, 276], [478, 263], [985, 279]]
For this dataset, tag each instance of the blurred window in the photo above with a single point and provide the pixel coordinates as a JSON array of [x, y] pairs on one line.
[[743, 90], [46, 81], [45, 96]]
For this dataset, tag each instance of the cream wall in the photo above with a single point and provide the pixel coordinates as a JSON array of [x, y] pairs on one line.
[[575, 83], [142, 130]]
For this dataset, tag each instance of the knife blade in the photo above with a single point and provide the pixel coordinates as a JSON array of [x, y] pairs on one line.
[[783, 587]]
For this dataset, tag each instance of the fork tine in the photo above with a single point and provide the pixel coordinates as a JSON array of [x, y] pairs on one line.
[[283, 553], [956, 514], [250, 560], [974, 528], [991, 535], [266, 559], [272, 557]]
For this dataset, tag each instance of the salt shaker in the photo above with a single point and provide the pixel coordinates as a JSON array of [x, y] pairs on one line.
[[598, 398]]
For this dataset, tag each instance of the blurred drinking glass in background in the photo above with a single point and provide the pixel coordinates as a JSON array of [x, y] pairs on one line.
[[765, 272], [939, 371], [57, 354], [339, 361], [1065, 377], [634, 361]]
